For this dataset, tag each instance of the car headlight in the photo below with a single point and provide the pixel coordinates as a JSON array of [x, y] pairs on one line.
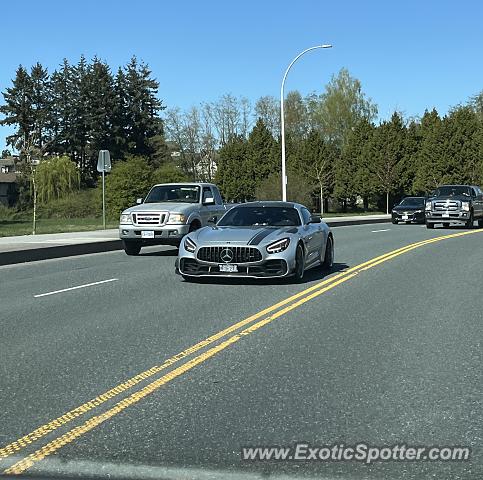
[[189, 245], [465, 206], [176, 218], [418, 211], [278, 246], [428, 205], [125, 219]]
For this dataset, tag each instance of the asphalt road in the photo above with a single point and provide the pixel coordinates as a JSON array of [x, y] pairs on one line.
[[385, 356]]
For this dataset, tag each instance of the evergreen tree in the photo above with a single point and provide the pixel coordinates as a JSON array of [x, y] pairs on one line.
[[260, 161], [18, 108], [385, 155], [430, 160], [462, 147], [232, 173], [120, 120], [41, 104], [101, 102], [412, 148], [349, 170], [79, 105], [64, 114], [142, 108]]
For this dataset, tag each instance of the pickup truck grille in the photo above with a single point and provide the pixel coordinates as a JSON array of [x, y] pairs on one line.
[[153, 219], [451, 205], [238, 254]]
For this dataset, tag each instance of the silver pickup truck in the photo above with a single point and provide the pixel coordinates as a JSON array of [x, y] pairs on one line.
[[169, 212]]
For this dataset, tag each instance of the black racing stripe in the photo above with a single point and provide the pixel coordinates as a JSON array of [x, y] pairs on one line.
[[255, 240]]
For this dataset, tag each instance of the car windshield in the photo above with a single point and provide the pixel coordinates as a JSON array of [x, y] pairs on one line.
[[255, 216], [412, 202], [174, 193], [452, 191]]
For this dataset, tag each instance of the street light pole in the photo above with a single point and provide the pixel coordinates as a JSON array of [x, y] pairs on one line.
[[282, 117]]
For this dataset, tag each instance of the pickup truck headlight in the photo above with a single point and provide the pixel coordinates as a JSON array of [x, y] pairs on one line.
[[125, 219], [189, 245], [428, 205], [278, 246], [465, 206], [176, 218]]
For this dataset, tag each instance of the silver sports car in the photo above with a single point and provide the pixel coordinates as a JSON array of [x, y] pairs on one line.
[[258, 240]]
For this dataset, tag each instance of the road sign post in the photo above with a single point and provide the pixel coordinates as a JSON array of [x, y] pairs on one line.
[[103, 166]]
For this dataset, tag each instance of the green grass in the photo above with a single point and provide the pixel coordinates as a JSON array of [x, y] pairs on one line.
[[23, 226]]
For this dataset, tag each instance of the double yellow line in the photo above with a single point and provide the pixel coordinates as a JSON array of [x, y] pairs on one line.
[[248, 325]]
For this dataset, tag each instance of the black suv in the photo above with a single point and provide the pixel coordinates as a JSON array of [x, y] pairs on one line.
[[461, 204]]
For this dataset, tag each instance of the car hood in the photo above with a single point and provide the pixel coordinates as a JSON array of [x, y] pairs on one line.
[[461, 198], [162, 207], [240, 235], [408, 208]]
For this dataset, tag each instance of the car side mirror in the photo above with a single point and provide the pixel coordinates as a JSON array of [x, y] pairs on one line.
[[212, 220], [209, 201], [315, 219], [139, 201]]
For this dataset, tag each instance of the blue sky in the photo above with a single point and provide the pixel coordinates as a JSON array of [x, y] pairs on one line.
[[408, 55]]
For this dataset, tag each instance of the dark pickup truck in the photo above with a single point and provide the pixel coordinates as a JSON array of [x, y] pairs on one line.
[[462, 204]]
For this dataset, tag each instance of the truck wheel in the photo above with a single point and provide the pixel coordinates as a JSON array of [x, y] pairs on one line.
[[429, 225], [394, 222], [480, 222], [194, 226], [131, 248], [470, 222]]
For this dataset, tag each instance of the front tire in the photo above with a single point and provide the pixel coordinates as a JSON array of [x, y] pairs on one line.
[[299, 264], [131, 247], [471, 221], [328, 262], [480, 223], [430, 225], [394, 222], [194, 226]]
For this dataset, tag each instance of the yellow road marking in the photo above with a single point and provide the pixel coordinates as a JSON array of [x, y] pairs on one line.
[[60, 441], [113, 392], [93, 422]]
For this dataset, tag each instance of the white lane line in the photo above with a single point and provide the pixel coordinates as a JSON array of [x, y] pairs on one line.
[[75, 288], [384, 230]]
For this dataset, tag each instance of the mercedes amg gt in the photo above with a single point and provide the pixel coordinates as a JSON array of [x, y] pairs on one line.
[[258, 240]]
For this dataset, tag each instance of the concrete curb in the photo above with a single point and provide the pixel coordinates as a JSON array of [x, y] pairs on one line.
[[46, 253], [362, 221]]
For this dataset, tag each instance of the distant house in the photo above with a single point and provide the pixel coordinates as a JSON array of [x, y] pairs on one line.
[[8, 182]]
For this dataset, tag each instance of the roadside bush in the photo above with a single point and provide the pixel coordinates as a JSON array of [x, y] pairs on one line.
[[7, 213], [80, 204], [128, 180], [168, 173]]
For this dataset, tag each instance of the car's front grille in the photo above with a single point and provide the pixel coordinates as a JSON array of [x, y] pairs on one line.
[[229, 254], [149, 218], [450, 205]]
